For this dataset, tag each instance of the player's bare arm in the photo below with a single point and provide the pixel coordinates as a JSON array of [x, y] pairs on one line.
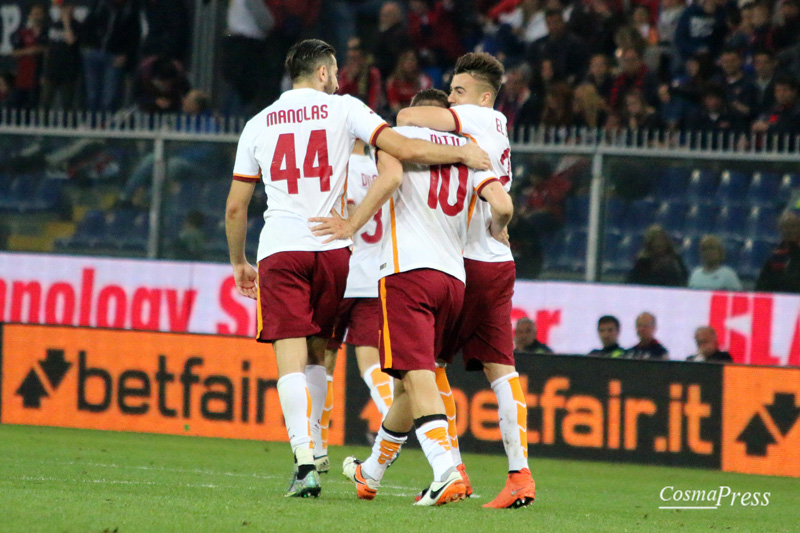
[[428, 153], [390, 177], [502, 208], [435, 118], [236, 231]]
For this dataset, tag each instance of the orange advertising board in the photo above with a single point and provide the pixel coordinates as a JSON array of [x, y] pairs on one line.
[[761, 420], [180, 384]]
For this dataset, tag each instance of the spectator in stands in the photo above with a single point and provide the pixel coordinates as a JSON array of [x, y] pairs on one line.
[[359, 78], [648, 347], [713, 274], [525, 341], [637, 114], [542, 202], [110, 41], [191, 241], [248, 64], [160, 85], [431, 27], [167, 29], [8, 97], [392, 38], [781, 271], [608, 331], [526, 21], [708, 347], [764, 65], [567, 52], [517, 102], [671, 11], [30, 43], [701, 28], [596, 22], [62, 60], [600, 75], [634, 74], [688, 87], [740, 91], [558, 107], [589, 108], [715, 116], [640, 19], [658, 263], [784, 35], [785, 116], [406, 81]]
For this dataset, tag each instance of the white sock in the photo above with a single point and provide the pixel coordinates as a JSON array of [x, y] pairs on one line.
[[295, 404], [317, 383], [384, 452], [513, 415], [381, 388], [433, 438]]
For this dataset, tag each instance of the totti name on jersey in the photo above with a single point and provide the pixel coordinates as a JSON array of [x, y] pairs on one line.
[[297, 116]]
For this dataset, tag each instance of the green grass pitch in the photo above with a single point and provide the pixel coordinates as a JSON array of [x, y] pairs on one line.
[[78, 480]]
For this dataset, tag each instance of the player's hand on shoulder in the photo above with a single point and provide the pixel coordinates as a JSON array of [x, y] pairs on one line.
[[475, 157], [246, 279], [334, 227]]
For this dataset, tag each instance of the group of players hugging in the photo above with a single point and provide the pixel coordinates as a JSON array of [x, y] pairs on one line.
[[393, 240]]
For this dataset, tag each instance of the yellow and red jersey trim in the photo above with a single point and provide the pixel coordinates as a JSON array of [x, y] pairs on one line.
[[374, 137], [484, 183], [457, 120], [247, 178]]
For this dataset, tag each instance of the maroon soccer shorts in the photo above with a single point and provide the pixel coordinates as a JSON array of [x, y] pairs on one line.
[[357, 322], [419, 310], [299, 293], [484, 329]]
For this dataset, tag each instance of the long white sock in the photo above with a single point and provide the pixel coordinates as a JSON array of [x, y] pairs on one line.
[[317, 382], [513, 415], [432, 436], [384, 451], [325, 420], [381, 388], [296, 404]]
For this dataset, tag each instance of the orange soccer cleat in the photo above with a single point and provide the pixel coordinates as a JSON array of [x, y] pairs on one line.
[[520, 490], [465, 478], [366, 488]]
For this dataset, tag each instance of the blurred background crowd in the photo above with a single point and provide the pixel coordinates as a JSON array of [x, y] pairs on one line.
[[725, 70]]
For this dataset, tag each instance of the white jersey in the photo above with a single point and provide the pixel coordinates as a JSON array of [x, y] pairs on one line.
[[428, 214], [488, 128], [299, 146], [362, 282]]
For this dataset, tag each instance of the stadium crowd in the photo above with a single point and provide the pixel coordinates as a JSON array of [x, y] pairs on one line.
[[709, 65]]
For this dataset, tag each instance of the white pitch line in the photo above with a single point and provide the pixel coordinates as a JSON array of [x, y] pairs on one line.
[[117, 482]]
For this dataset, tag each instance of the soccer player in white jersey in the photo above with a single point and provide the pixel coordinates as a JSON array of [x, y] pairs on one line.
[[359, 313], [299, 147], [485, 335], [421, 292], [358, 317]]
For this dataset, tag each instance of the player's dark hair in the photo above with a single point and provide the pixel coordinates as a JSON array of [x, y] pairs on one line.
[[430, 97], [608, 319], [482, 66], [306, 56]]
